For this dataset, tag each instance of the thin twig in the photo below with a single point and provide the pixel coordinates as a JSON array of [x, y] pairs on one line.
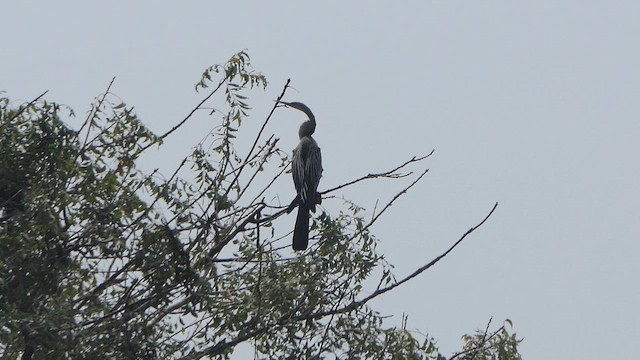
[[223, 242], [177, 126], [94, 111], [387, 174], [484, 341], [23, 108], [388, 205], [255, 142], [354, 305]]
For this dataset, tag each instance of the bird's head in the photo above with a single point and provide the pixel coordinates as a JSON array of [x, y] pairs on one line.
[[293, 104], [298, 106]]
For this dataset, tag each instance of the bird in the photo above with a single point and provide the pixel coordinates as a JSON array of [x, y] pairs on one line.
[[306, 168]]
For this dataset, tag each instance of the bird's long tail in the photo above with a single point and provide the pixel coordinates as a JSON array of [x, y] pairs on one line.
[[301, 231]]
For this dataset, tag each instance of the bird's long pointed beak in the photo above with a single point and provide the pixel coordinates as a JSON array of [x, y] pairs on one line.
[[281, 103]]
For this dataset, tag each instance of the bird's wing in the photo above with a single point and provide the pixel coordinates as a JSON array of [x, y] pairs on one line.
[[313, 170], [306, 168], [312, 175], [297, 168]]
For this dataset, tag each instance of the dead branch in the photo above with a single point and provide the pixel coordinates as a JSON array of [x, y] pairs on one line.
[[356, 304], [23, 108], [387, 174]]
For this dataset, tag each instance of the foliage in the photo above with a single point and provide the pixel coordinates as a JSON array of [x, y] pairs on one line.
[[500, 345], [101, 260]]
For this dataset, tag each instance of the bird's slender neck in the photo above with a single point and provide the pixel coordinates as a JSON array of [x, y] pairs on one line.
[[308, 127]]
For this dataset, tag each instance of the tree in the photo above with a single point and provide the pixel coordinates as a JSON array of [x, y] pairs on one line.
[[102, 260]]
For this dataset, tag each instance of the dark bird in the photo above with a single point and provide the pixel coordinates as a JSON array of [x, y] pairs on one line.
[[306, 168]]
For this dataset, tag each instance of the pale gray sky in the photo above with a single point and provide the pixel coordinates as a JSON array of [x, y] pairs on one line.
[[534, 104]]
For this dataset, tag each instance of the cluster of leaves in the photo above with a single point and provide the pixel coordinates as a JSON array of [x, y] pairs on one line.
[[496, 346], [101, 260]]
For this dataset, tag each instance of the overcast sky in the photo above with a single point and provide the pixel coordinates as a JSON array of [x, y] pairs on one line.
[[533, 104]]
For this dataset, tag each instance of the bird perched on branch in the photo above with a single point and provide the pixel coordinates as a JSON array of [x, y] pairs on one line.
[[306, 168]]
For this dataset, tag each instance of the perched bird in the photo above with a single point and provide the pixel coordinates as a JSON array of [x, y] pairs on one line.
[[306, 168]]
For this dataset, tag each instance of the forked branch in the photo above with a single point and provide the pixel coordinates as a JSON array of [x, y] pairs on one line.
[[387, 174]]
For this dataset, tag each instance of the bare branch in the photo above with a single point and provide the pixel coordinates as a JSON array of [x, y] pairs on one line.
[[93, 112], [177, 126], [388, 205], [387, 174], [23, 108], [356, 304], [255, 142]]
